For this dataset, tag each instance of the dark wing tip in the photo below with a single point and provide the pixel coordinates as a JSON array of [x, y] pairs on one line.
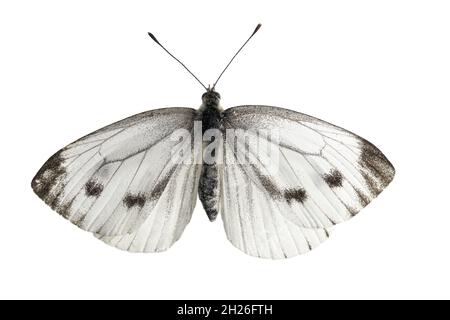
[[381, 170], [48, 176]]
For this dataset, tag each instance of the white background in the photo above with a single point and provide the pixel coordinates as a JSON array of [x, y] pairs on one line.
[[378, 68]]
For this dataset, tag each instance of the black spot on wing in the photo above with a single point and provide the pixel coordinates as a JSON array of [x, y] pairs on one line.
[[47, 177], [291, 194], [93, 188], [161, 185], [295, 194], [134, 200], [268, 184], [333, 179]]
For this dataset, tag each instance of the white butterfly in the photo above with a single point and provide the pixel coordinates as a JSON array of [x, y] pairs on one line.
[[129, 183]]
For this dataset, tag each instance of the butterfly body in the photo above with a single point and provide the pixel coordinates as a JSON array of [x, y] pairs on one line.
[[208, 190]]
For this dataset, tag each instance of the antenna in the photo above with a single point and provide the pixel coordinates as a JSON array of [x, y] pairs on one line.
[[156, 40], [256, 30]]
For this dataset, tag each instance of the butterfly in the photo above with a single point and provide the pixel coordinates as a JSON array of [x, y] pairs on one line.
[[134, 184]]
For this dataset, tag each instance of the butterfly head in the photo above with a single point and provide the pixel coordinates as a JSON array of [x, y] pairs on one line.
[[211, 98]]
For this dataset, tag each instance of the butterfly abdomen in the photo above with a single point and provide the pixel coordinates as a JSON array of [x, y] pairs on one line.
[[208, 188]]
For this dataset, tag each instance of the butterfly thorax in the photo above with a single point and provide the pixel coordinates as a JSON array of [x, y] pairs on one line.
[[208, 189], [210, 100]]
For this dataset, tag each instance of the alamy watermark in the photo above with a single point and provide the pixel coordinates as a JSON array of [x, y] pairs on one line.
[[233, 146]]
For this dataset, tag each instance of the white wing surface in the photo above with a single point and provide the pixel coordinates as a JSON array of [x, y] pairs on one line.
[[323, 175], [166, 222], [110, 181]]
